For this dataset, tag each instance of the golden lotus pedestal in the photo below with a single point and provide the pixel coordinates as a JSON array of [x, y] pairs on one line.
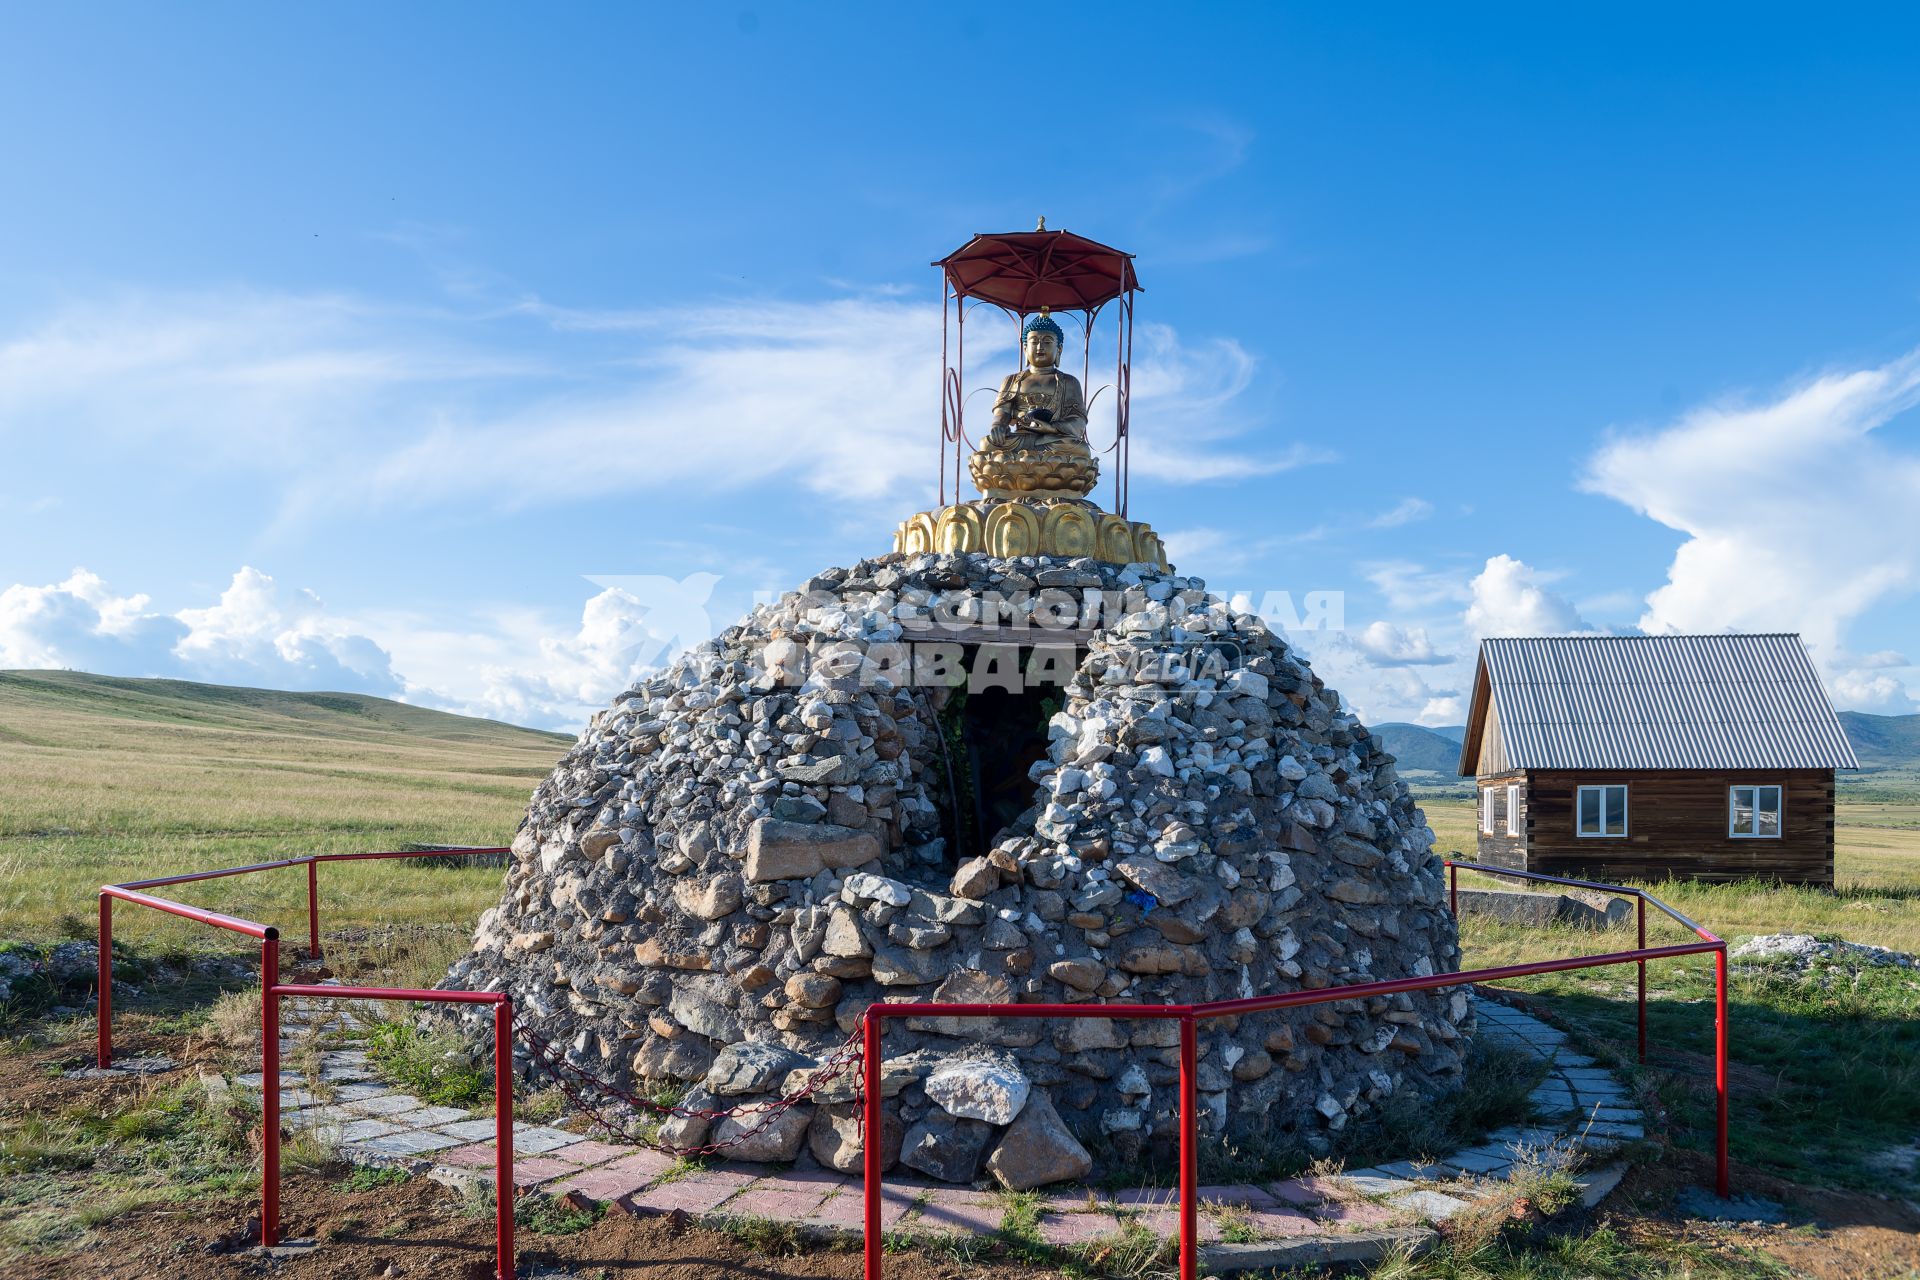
[[1062, 527]]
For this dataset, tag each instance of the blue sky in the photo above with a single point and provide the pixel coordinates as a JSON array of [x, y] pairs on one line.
[[357, 346]]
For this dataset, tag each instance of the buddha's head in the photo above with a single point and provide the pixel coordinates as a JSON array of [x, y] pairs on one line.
[[1044, 337]]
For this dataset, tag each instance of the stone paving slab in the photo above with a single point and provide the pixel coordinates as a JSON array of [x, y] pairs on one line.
[[533, 1140], [1063, 1229], [947, 1212], [471, 1130], [1166, 1222], [409, 1142], [426, 1117], [684, 1194], [783, 1202]]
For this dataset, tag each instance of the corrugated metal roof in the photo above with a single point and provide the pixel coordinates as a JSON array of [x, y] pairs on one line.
[[1658, 702]]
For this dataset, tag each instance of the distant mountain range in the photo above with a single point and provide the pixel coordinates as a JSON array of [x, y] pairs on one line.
[[1881, 742]]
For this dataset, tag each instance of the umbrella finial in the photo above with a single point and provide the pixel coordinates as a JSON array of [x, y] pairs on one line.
[[1042, 224]]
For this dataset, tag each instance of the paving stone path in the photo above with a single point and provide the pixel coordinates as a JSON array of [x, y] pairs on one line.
[[1351, 1217]]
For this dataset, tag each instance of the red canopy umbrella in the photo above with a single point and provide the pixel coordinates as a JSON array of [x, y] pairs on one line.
[[1024, 271]]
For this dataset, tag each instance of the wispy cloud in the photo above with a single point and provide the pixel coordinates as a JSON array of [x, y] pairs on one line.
[[1406, 511], [529, 403]]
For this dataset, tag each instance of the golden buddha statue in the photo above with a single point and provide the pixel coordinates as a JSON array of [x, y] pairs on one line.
[[1038, 444]]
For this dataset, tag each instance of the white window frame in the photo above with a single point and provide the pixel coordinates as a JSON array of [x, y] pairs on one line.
[[1606, 811], [1486, 811], [1779, 809], [1513, 808]]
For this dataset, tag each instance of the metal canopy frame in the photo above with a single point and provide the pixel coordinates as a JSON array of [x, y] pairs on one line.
[[1021, 273]]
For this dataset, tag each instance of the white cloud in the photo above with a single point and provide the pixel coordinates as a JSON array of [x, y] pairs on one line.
[[254, 635], [1390, 645], [1406, 512], [350, 401], [1509, 598], [1799, 514], [1881, 694]]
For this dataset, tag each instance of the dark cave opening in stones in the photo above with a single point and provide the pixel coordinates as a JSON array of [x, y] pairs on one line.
[[993, 731]]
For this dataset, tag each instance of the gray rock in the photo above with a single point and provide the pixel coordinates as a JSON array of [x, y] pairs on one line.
[[835, 1134], [946, 1148], [776, 1141], [752, 1067], [1038, 1149]]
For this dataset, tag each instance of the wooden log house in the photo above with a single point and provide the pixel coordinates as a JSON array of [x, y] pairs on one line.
[[1655, 757]]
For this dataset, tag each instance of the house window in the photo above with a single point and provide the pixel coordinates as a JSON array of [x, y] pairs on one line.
[[1486, 811], [1753, 813], [1601, 812], [1513, 809]]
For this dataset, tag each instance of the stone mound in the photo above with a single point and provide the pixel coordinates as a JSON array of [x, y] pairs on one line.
[[743, 852]]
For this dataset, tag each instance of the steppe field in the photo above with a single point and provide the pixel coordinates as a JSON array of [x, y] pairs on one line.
[[111, 780]]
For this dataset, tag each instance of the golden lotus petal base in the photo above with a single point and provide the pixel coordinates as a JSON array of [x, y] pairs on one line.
[[1064, 529]]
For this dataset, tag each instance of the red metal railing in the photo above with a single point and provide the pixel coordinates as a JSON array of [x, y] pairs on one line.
[[271, 992], [132, 892], [503, 1191], [1189, 1016]]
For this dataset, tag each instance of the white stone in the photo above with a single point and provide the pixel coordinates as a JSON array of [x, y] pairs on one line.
[[989, 1091], [864, 886]]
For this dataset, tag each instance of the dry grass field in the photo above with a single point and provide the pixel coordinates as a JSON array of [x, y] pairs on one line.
[[113, 780]]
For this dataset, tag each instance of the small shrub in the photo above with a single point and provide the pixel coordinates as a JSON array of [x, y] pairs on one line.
[[551, 1217], [432, 1066], [372, 1178]]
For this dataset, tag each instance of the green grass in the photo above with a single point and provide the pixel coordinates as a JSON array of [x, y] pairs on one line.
[[113, 780], [432, 1066], [63, 1174], [1602, 1254], [373, 1177], [549, 1217], [1826, 1069]]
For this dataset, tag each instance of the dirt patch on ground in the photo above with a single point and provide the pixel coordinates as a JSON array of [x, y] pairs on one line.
[[418, 1230], [1829, 1235]]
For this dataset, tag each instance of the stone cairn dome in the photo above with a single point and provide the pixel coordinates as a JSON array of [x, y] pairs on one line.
[[808, 814]]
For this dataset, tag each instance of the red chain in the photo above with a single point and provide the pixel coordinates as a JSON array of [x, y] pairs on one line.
[[833, 1066]]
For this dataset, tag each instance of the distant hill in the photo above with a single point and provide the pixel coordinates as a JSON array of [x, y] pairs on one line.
[[1884, 742], [1418, 748], [29, 697]]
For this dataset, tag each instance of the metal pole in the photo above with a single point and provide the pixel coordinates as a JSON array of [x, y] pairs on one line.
[[1720, 1062], [1189, 1153], [1641, 903], [870, 1140], [503, 1136], [313, 908], [270, 1089], [103, 1011], [1453, 890]]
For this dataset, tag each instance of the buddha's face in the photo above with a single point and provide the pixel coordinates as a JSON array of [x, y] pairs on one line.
[[1043, 350]]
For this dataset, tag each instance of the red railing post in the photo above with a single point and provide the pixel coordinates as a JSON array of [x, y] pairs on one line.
[[1189, 1151], [873, 1127], [313, 907], [1453, 890], [103, 1010], [270, 1089], [1640, 903], [1720, 1064], [503, 1195]]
